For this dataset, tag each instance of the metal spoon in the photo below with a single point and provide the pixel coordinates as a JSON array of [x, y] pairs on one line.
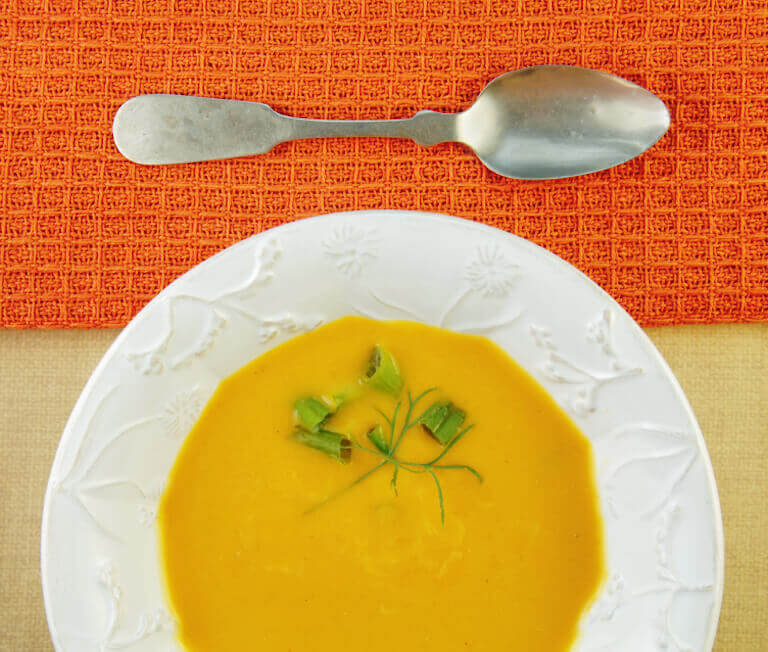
[[542, 122]]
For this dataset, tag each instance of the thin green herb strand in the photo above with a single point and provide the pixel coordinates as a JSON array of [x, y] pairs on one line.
[[423, 394], [452, 443], [421, 465], [439, 495], [418, 419], [459, 467], [408, 424], [393, 449], [417, 471], [386, 418], [346, 489], [372, 451], [394, 424]]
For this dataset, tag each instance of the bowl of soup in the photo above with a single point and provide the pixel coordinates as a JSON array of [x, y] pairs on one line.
[[382, 430]]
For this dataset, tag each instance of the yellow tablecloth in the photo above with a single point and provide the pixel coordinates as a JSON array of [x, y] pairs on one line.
[[723, 369]]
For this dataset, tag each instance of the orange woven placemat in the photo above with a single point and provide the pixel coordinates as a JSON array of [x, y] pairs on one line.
[[86, 238]]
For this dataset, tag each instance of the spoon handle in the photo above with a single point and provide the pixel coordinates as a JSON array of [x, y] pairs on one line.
[[425, 128], [165, 129]]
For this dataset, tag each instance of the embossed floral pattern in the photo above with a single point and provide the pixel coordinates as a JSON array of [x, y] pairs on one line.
[[266, 259], [147, 515], [267, 329], [149, 505], [352, 248], [490, 273], [612, 597], [149, 622], [587, 383], [181, 412], [215, 314]]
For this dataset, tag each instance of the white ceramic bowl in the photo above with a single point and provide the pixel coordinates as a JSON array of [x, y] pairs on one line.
[[100, 564]]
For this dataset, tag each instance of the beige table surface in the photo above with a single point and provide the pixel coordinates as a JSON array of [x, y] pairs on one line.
[[723, 369]]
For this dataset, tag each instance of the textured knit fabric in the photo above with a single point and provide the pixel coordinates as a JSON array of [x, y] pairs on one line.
[[86, 238]]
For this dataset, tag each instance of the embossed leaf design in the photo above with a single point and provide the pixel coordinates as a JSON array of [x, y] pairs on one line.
[[149, 622], [487, 273], [266, 258], [119, 507], [203, 324], [647, 465], [677, 564], [121, 481], [612, 597], [586, 378], [193, 324], [644, 623], [685, 615]]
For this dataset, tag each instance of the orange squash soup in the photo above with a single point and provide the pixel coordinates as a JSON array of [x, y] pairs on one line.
[[324, 502]]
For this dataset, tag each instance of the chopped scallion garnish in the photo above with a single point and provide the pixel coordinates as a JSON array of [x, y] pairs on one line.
[[332, 444], [376, 436], [443, 421], [382, 372], [312, 412]]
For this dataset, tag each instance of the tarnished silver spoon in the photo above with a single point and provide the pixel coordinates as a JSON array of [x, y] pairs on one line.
[[542, 122]]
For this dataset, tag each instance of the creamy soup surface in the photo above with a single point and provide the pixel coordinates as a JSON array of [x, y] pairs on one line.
[[268, 544]]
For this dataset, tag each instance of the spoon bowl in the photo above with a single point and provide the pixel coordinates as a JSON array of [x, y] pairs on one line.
[[548, 122], [542, 122]]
